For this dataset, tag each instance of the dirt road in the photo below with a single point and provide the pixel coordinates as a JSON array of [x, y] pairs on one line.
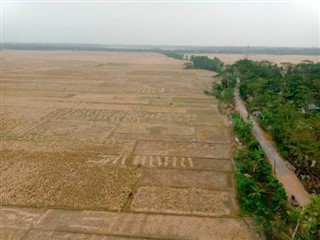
[[287, 177]]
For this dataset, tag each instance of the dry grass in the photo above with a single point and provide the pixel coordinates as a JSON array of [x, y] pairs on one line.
[[65, 179], [79, 128], [67, 116]]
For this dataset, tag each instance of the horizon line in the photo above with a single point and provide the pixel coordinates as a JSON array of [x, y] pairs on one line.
[[160, 45]]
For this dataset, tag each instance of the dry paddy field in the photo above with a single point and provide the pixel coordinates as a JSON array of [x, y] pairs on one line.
[[113, 146]]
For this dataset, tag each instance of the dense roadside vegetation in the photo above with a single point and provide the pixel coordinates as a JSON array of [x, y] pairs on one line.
[[260, 194], [286, 101], [263, 197]]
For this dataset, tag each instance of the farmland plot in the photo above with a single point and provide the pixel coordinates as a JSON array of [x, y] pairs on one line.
[[116, 132]]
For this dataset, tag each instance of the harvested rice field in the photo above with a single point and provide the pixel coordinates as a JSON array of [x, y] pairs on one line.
[[130, 135]]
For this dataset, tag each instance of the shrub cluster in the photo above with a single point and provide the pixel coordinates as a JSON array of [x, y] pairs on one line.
[[260, 193], [203, 62]]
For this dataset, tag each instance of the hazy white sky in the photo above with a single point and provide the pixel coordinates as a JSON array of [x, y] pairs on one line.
[[254, 23]]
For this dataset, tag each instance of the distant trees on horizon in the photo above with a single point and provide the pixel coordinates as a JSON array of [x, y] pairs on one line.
[[204, 62]]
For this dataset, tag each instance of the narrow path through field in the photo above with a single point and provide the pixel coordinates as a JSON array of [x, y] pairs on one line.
[[286, 176]]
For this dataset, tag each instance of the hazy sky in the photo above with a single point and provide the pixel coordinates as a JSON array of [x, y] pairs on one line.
[[253, 23]]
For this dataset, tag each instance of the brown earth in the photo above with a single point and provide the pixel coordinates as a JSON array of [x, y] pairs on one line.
[[129, 134]]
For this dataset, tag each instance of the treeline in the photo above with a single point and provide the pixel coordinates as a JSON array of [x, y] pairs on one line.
[[172, 54], [251, 50], [203, 62], [196, 62], [73, 47], [157, 48], [286, 101]]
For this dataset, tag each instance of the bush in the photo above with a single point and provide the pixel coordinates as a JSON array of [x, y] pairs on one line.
[[308, 219], [260, 194]]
